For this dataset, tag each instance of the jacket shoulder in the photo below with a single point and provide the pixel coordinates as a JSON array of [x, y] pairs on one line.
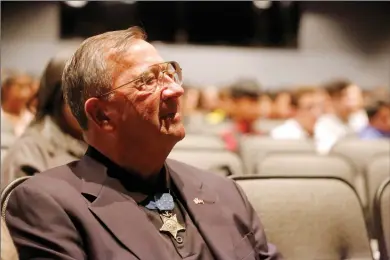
[[55, 181]]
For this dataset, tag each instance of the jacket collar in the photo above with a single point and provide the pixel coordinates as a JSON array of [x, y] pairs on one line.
[[116, 209]]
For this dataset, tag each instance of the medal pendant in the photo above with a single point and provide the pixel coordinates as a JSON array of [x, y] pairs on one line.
[[170, 224]]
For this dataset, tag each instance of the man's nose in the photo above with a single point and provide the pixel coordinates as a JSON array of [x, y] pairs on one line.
[[173, 90]]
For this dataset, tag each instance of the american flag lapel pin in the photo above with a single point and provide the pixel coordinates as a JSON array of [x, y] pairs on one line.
[[198, 201]]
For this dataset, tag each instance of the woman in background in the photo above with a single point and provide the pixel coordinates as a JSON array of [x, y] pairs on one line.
[[53, 138]]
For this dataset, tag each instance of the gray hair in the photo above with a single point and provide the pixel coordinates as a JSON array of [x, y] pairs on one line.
[[88, 74]]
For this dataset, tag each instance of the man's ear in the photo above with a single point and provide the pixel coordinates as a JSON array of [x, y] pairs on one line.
[[95, 111]]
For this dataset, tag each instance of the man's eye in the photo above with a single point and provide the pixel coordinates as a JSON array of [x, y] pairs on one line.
[[150, 80]]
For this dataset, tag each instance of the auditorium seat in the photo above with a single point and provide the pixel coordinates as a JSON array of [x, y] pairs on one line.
[[361, 153], [382, 218], [267, 125], [376, 173], [6, 193], [222, 162], [194, 141], [306, 164], [309, 217], [253, 149]]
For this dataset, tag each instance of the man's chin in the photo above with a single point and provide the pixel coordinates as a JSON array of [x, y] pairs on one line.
[[179, 133], [175, 131]]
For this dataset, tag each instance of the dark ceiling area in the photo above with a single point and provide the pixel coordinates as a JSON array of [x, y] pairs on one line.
[[204, 22]]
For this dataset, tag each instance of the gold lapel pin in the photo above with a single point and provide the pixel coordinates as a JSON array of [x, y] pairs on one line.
[[198, 201]]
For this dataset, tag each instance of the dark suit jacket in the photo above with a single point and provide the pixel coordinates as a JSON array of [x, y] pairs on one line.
[[76, 211]]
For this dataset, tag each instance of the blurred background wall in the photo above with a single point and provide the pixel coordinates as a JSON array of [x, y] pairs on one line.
[[335, 39]]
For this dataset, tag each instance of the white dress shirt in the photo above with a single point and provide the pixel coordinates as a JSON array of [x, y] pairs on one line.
[[290, 129], [328, 130], [358, 120]]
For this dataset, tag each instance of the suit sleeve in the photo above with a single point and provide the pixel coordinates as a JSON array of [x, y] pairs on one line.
[[265, 250], [40, 227]]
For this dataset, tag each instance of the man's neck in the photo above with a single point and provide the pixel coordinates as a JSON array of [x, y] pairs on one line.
[[146, 161], [309, 129], [342, 116]]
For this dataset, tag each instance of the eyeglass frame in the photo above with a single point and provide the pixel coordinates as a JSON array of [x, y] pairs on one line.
[[139, 77]]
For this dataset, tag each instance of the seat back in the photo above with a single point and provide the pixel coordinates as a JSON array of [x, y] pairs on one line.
[[376, 173], [202, 142], [222, 162], [267, 125], [7, 191], [306, 164], [309, 217], [361, 153], [382, 219], [254, 149]]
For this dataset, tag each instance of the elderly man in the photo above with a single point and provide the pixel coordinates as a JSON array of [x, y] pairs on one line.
[[124, 199]]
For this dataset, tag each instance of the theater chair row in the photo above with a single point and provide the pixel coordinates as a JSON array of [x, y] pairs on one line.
[[309, 217], [318, 217], [364, 165]]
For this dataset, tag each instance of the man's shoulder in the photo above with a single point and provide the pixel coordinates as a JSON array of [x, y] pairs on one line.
[[55, 181]]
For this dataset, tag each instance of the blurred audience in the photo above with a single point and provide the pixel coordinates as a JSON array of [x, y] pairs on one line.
[[16, 91], [333, 126], [204, 110], [358, 118], [379, 121], [307, 107], [245, 111], [266, 105], [282, 105], [53, 138]]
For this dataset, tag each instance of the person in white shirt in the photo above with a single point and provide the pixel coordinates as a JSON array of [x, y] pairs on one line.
[[307, 107], [332, 127], [358, 119]]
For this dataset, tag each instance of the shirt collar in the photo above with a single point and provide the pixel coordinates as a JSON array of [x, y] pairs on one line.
[[138, 188]]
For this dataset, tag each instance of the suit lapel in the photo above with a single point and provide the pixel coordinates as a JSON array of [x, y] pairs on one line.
[[119, 213], [208, 217]]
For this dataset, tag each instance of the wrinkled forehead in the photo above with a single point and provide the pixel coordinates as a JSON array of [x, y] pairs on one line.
[[133, 60]]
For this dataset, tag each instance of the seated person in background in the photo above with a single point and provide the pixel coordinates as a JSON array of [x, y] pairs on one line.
[[282, 105], [214, 100], [53, 138], [16, 91], [266, 105], [244, 112], [124, 199], [358, 118], [306, 109], [332, 127], [379, 121], [203, 110]]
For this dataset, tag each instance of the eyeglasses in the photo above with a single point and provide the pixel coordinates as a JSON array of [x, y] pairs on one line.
[[156, 75]]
